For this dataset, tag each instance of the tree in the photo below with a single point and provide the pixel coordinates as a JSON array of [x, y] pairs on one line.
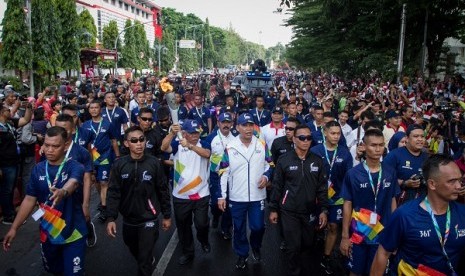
[[68, 19], [45, 37], [87, 30], [109, 34], [128, 51], [210, 55], [141, 46], [358, 38], [16, 47]]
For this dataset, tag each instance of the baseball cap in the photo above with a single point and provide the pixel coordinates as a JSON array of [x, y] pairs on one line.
[[392, 114], [191, 126], [245, 119], [277, 109], [413, 127], [225, 117]]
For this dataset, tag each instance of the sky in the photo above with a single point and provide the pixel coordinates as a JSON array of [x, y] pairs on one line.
[[253, 20]]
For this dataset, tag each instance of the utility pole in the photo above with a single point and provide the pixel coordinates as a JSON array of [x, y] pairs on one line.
[[424, 48], [401, 43], [202, 53], [31, 69]]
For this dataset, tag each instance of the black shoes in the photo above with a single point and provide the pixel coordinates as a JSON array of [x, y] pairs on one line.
[[8, 220], [326, 265], [185, 259], [226, 235], [256, 254], [91, 236], [206, 248], [241, 262]]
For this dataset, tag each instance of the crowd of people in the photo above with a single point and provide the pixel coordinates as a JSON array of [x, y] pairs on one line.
[[375, 167]]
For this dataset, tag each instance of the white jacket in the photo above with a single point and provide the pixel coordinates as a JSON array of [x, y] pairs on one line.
[[244, 167]]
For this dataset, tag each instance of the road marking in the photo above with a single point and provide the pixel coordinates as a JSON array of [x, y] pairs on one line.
[[166, 256]]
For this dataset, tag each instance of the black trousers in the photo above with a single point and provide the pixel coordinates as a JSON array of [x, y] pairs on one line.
[[298, 232], [184, 210], [141, 242]]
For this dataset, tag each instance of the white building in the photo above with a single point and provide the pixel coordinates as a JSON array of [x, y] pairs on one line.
[[103, 11]]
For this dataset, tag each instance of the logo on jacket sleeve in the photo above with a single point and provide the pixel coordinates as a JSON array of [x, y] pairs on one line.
[[313, 168]]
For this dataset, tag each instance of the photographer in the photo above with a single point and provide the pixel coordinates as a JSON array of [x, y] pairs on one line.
[[408, 161]]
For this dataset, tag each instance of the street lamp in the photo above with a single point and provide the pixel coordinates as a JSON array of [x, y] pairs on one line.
[[116, 42], [160, 48], [185, 34]]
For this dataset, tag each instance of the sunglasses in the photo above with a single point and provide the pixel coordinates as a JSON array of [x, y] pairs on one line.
[[304, 137], [289, 128], [134, 140], [145, 119]]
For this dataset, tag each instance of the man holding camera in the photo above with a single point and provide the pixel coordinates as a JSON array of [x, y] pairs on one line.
[[408, 161]]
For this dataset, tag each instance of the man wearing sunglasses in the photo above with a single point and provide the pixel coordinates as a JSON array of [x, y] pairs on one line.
[[245, 168], [138, 189], [191, 194], [299, 182]]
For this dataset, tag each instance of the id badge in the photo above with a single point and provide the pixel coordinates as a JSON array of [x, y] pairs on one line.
[[38, 214], [373, 218]]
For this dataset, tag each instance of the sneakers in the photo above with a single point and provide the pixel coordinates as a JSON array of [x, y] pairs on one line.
[[226, 235], [241, 262], [185, 259], [256, 254], [326, 265], [8, 220], [91, 236]]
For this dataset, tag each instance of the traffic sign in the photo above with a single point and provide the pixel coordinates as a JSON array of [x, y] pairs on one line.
[[189, 44]]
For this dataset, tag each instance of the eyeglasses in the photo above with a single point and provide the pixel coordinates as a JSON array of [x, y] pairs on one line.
[[289, 128], [145, 119], [134, 140], [304, 137]]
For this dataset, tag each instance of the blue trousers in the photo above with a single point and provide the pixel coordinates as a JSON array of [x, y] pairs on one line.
[[7, 184], [66, 259], [215, 192], [255, 212]]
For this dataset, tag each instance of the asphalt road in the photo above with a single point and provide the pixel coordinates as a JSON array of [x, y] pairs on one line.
[[111, 257]]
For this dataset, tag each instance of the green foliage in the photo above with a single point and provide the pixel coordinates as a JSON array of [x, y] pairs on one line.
[[109, 35], [68, 19], [221, 46], [362, 36], [87, 30], [46, 37], [128, 51], [141, 47], [16, 51]]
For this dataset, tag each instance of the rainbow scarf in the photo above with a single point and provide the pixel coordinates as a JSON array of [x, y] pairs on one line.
[[362, 230], [422, 270], [52, 225]]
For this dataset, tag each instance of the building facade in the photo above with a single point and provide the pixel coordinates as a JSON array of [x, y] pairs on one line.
[[103, 11]]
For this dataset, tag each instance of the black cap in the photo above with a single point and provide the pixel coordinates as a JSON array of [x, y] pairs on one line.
[[278, 109], [413, 127]]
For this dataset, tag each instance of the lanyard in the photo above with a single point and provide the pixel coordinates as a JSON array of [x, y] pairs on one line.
[[110, 118], [76, 135], [259, 115], [375, 190], [98, 129], [330, 162], [60, 168], [442, 241], [8, 127]]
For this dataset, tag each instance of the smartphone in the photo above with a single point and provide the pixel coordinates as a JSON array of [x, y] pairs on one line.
[[53, 88], [415, 177]]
